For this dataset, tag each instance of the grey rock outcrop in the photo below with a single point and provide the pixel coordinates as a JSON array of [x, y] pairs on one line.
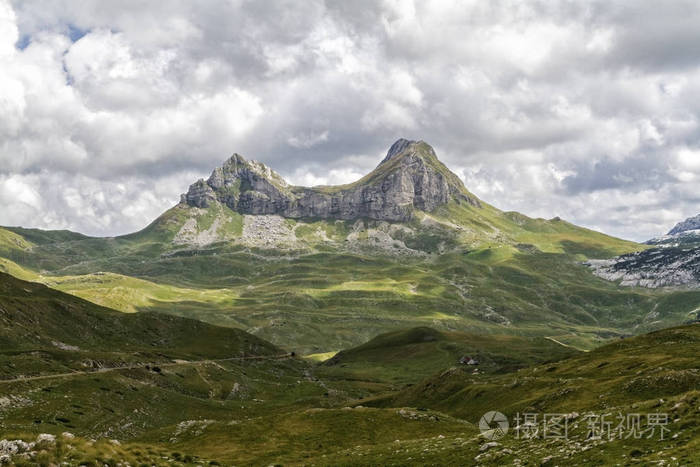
[[410, 177], [653, 268]]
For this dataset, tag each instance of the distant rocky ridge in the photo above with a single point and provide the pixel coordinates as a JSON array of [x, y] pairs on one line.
[[410, 177], [690, 224], [674, 261], [686, 233], [653, 268]]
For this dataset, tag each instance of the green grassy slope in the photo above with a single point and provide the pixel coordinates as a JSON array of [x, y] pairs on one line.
[[37, 318], [67, 365], [408, 356], [12, 243], [488, 226], [497, 273], [179, 392], [652, 373], [661, 363], [170, 390]]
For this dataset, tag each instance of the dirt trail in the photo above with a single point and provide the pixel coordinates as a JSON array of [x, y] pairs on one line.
[[141, 366], [565, 345]]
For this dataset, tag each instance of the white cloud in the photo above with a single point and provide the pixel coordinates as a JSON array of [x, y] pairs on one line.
[[306, 177], [8, 30], [689, 159], [305, 141], [582, 110]]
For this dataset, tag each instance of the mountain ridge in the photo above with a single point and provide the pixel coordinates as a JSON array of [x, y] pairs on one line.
[[690, 224], [410, 177], [673, 260]]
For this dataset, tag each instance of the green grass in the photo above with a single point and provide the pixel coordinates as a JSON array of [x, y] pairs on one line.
[[393, 360], [318, 436], [652, 373], [173, 396], [320, 300], [130, 295], [13, 269], [98, 373], [39, 319], [320, 357], [489, 226], [627, 371], [72, 450]]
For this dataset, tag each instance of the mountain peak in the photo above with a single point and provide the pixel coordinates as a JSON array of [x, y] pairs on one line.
[[691, 223], [410, 177], [397, 148]]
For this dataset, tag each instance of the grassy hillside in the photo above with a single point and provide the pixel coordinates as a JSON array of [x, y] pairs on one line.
[[67, 365], [150, 389], [409, 356], [652, 373], [322, 286], [34, 317], [630, 370]]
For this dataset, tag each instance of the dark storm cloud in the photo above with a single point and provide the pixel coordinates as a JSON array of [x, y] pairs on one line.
[[109, 109]]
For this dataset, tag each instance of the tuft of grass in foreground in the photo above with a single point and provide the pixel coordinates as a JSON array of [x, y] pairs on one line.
[[67, 449]]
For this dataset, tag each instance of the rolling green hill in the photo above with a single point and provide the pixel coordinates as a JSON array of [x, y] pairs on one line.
[[652, 373], [69, 365], [409, 356], [35, 318], [85, 385], [327, 297]]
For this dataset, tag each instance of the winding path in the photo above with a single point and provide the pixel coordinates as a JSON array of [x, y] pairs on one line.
[[23, 379]]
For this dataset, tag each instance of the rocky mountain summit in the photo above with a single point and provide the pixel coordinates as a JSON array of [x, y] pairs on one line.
[[410, 177]]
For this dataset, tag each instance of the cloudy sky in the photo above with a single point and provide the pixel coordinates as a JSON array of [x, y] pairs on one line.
[[585, 110]]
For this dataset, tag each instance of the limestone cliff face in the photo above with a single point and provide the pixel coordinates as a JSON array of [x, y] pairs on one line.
[[670, 266], [410, 177]]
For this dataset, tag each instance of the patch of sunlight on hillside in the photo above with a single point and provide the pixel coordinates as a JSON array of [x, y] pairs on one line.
[[321, 357], [128, 294]]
